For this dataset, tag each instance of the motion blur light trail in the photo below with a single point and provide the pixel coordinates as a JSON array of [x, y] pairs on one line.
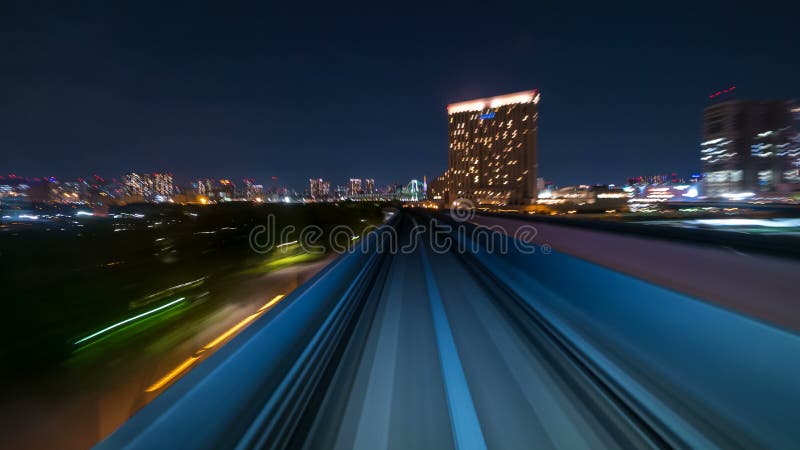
[[170, 290], [180, 369], [271, 303], [129, 320], [172, 374]]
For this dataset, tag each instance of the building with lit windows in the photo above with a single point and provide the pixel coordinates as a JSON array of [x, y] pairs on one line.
[[585, 199], [354, 188], [369, 185], [749, 147], [492, 156], [252, 192], [69, 192], [145, 186], [205, 186], [319, 188], [163, 186], [137, 185]]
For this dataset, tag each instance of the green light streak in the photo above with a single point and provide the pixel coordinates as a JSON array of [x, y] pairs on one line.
[[131, 319]]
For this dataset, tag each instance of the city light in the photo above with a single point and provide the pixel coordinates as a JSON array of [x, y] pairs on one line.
[[494, 102], [185, 365], [738, 195], [131, 319]]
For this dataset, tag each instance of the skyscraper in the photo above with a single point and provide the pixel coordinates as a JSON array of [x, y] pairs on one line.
[[369, 185], [749, 146], [163, 186], [492, 157], [319, 188], [355, 186], [135, 185], [155, 186]]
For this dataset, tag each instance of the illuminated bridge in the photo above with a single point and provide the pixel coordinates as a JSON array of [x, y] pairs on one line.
[[484, 340]]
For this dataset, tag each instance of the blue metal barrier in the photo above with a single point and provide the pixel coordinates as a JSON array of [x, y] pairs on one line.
[[704, 375]]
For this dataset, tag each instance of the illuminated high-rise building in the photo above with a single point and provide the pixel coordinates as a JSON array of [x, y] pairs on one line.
[[749, 146], [205, 186], [369, 185], [319, 188], [354, 188], [136, 185], [492, 156], [162, 185], [156, 186]]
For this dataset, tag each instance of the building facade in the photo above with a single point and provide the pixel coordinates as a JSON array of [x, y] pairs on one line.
[[163, 185], [252, 192], [492, 156], [319, 188], [146, 186], [749, 146], [354, 188]]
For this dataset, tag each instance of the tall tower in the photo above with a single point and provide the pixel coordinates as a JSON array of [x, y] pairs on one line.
[[492, 157]]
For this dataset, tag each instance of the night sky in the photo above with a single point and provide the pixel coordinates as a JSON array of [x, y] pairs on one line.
[[337, 92]]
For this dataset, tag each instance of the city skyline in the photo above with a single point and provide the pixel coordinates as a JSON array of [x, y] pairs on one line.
[[750, 147], [722, 97], [97, 179]]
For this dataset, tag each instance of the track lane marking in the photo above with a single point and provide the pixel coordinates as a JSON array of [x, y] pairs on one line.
[[464, 421]]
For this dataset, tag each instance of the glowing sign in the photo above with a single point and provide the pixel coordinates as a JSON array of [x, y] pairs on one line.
[[489, 115], [494, 102]]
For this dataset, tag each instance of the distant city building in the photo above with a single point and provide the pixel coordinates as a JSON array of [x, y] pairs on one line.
[[354, 188], [69, 192], [135, 185], [145, 186], [221, 191], [662, 188], [205, 186], [659, 179], [749, 146], [492, 155], [585, 199], [369, 185], [252, 192], [319, 188], [163, 186], [544, 188]]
